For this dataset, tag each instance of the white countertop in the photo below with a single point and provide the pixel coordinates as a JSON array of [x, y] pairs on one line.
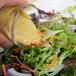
[[57, 5]]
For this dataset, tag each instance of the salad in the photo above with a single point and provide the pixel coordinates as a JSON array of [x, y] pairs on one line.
[[56, 56]]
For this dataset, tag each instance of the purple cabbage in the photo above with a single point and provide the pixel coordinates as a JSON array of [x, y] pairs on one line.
[[73, 27]]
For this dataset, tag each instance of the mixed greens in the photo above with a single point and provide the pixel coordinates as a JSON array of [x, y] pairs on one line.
[[40, 57]]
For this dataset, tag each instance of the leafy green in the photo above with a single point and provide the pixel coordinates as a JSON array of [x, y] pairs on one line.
[[39, 58], [70, 72], [71, 8], [65, 54], [5, 56], [50, 33]]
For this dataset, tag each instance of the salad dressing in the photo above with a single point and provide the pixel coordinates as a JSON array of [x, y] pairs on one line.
[[25, 31]]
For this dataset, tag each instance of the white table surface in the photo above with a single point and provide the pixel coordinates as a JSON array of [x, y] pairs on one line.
[[57, 5]]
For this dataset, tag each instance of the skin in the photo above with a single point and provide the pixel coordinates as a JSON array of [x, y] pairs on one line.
[[4, 41]]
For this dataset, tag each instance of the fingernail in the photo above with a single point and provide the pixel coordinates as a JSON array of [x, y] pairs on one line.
[[7, 44]]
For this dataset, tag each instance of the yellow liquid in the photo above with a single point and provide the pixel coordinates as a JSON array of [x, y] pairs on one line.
[[25, 31]]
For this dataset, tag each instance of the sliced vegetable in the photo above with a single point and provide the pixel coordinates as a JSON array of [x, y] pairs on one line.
[[53, 61], [73, 45], [50, 33], [46, 32], [24, 66], [42, 57], [4, 70], [39, 32], [38, 43], [52, 37], [12, 72], [1, 49], [73, 27], [17, 49]]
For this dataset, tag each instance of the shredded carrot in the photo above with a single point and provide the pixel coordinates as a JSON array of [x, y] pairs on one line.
[[46, 32], [18, 49], [25, 67], [4, 70], [39, 32], [33, 46], [17, 59], [53, 61], [73, 46], [43, 40], [22, 65], [52, 37], [37, 43], [14, 64]]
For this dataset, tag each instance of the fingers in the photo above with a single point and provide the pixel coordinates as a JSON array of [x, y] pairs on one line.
[[2, 2], [15, 2], [12, 3], [5, 42]]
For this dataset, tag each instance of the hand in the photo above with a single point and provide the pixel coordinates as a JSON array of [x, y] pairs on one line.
[[12, 3], [5, 42]]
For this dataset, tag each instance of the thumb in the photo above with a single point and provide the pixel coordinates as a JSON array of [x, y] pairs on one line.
[[12, 3], [15, 2], [5, 42]]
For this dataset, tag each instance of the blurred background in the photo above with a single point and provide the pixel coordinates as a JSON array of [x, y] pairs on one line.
[[57, 5]]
